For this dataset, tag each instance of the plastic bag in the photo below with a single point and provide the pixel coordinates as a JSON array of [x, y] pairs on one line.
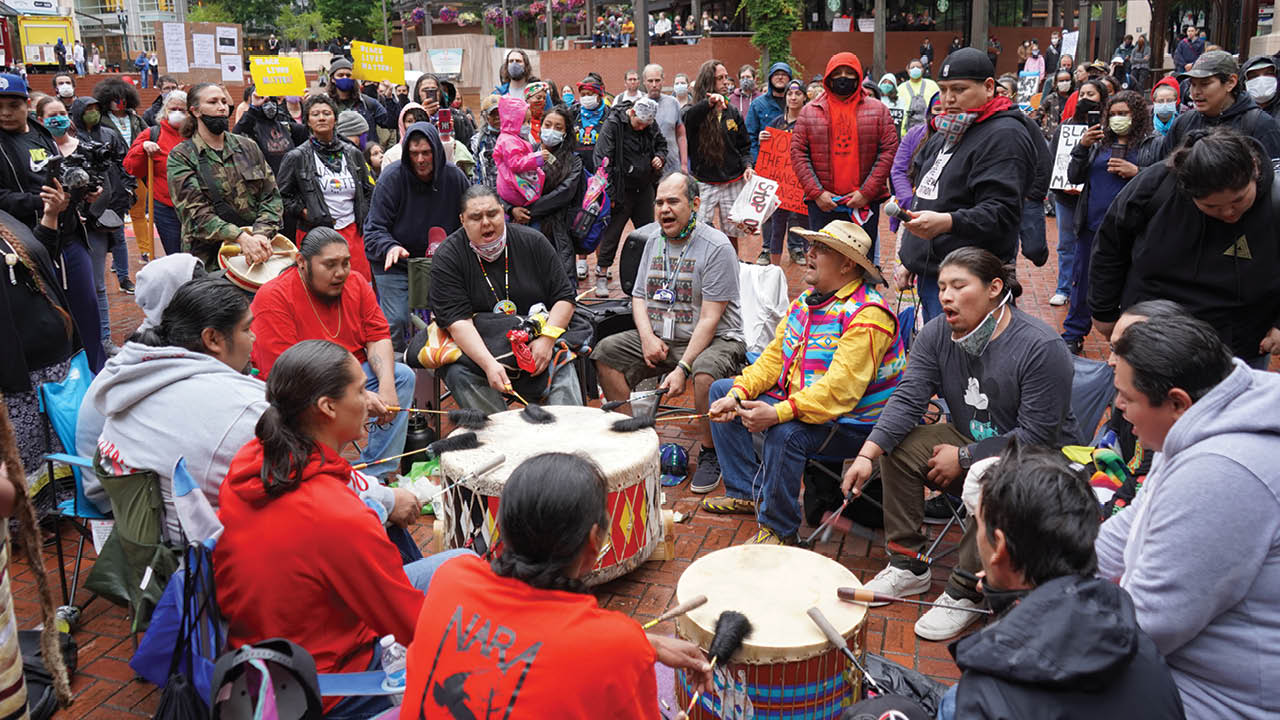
[[754, 205]]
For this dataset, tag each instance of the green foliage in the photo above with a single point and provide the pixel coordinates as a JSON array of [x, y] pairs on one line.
[[773, 21], [255, 13], [210, 12], [305, 28], [352, 17]]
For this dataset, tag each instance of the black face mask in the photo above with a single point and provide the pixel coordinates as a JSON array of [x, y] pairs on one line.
[[214, 124], [403, 98], [269, 110], [843, 86], [1084, 107]]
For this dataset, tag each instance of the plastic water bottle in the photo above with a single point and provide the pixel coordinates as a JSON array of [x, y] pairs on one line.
[[393, 664]]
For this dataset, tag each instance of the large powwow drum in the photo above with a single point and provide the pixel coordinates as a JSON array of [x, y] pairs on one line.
[[786, 669], [251, 276], [629, 461]]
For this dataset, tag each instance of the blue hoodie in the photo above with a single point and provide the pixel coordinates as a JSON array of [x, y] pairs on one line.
[[403, 208], [764, 109], [1199, 549]]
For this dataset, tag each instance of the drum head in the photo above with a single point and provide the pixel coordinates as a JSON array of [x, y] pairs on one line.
[[251, 277], [774, 587]]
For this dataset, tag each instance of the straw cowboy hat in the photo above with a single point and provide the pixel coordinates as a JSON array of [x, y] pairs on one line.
[[848, 239]]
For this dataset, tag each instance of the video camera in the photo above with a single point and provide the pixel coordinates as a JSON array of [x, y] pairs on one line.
[[85, 169]]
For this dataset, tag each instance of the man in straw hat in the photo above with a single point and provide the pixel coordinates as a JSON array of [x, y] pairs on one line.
[[817, 387]]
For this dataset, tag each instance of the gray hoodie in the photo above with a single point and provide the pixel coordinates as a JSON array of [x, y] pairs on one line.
[[160, 403], [1199, 549]]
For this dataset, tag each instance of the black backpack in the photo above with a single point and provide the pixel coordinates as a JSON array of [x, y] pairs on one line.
[[41, 700]]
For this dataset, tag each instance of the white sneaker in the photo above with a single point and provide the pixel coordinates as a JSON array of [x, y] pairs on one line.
[[582, 268], [944, 623], [1058, 300], [898, 582], [602, 283]]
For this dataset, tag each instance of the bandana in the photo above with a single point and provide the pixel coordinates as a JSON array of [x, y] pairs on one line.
[[646, 109], [687, 231], [953, 125], [493, 250], [534, 88]]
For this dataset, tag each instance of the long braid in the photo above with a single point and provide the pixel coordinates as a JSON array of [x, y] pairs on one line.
[[20, 249], [33, 548]]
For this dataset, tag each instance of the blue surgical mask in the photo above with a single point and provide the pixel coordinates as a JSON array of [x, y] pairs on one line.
[[58, 124], [1165, 110], [975, 342], [568, 98], [887, 88], [345, 84], [552, 138], [526, 132], [916, 73]]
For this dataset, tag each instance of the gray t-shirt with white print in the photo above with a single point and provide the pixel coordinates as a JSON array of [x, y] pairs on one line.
[[704, 267]]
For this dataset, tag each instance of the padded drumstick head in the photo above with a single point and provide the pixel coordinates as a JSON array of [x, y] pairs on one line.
[[537, 414], [457, 441], [632, 424], [732, 627], [468, 418]]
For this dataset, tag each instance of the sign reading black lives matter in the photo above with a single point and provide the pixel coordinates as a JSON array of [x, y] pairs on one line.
[[1068, 137]]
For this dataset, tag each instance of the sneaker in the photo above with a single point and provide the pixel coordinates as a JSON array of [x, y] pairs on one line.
[[144, 258], [798, 258], [126, 286], [582, 268], [766, 536], [707, 476], [943, 623], [725, 505], [937, 510], [1058, 300], [602, 282], [899, 582], [763, 258]]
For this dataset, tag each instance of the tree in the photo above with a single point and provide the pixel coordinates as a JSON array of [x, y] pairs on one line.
[[350, 17], [305, 28], [256, 13], [773, 21], [211, 11]]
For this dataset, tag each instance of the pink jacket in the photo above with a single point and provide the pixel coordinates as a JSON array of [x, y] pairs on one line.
[[518, 163]]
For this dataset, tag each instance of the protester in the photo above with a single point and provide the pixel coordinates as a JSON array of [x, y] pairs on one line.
[[1091, 98], [60, 52], [552, 214], [351, 126], [1166, 98], [483, 140], [347, 96], [687, 314], [887, 89], [636, 152], [412, 199], [1188, 50], [150, 154], [324, 182], [1140, 64], [719, 149], [631, 88], [518, 162], [670, 121], [1220, 99], [514, 74], [155, 112], [778, 229], [554, 521], [850, 359], [1003, 374], [1208, 416], [434, 94], [973, 175], [1035, 63], [295, 536], [487, 267], [680, 90], [1050, 111], [1085, 651], [915, 95], [746, 92], [1103, 162], [77, 56], [593, 109], [901, 177], [64, 87], [267, 124], [1260, 81], [1190, 231], [769, 105], [221, 183]]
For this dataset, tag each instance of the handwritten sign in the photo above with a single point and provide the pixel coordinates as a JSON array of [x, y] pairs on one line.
[[898, 115], [377, 62], [774, 162], [1028, 85], [1068, 137], [277, 75]]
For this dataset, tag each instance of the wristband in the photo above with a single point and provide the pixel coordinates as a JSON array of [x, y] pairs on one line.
[[688, 369], [868, 458], [552, 331]]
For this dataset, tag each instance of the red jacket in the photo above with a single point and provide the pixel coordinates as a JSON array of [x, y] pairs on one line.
[[135, 161], [313, 565], [877, 141]]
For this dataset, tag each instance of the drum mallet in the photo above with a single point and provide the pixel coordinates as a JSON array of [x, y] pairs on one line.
[[863, 595], [837, 640], [732, 627], [677, 611], [468, 418], [457, 441], [830, 518], [615, 404]]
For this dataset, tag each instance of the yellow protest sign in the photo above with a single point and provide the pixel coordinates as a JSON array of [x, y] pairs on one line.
[[276, 76], [377, 62]]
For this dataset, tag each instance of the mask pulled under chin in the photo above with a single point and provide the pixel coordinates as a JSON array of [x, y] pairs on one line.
[[493, 250], [975, 342]]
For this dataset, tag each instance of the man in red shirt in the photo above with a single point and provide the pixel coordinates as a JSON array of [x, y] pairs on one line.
[[321, 300]]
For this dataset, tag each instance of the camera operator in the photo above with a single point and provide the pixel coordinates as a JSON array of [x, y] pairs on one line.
[[28, 148], [118, 102]]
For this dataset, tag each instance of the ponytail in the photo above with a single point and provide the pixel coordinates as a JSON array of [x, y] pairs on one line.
[[985, 266]]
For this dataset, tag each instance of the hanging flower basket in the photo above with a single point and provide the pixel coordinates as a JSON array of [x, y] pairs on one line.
[[537, 7], [418, 16], [496, 16], [468, 18], [448, 14]]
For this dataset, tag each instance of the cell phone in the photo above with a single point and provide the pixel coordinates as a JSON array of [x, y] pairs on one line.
[[432, 93], [1093, 117], [1119, 150], [444, 123]]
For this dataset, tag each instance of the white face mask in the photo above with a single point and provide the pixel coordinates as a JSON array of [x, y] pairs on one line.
[[1064, 86], [590, 101], [66, 90], [1262, 88], [176, 117]]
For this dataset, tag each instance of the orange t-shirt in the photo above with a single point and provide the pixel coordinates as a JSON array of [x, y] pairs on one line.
[[493, 647]]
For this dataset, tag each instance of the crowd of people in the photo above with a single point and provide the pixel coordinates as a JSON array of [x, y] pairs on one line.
[[401, 202]]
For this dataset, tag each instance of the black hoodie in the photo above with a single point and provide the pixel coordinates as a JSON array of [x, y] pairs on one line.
[[1154, 243], [1071, 648], [120, 185], [403, 208], [1244, 116]]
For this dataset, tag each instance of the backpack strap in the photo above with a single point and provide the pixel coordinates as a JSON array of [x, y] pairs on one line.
[[220, 205], [155, 133]]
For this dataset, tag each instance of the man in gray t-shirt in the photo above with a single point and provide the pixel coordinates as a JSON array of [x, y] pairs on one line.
[[686, 310], [669, 120]]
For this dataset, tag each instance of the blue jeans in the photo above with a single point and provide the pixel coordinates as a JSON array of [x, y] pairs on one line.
[[1079, 320], [780, 235], [927, 289], [1066, 215], [388, 439], [169, 228], [99, 242], [1031, 232], [818, 219], [787, 447], [82, 297], [947, 708], [472, 390], [360, 707], [393, 298]]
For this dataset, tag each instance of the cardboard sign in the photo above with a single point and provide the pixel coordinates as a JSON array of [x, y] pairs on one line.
[[377, 62], [1028, 85], [1068, 137], [277, 75], [899, 116], [774, 163]]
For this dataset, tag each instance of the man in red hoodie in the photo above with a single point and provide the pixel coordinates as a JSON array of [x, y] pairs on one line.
[[842, 149]]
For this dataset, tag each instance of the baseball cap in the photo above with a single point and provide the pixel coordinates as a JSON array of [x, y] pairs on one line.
[[1213, 62], [673, 464], [967, 64], [13, 85]]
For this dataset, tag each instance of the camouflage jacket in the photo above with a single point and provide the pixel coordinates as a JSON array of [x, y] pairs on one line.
[[245, 181]]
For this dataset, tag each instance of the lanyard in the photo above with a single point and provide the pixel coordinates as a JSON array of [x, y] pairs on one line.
[[506, 274], [668, 275]]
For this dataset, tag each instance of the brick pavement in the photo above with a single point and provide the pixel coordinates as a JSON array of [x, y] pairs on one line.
[[106, 688]]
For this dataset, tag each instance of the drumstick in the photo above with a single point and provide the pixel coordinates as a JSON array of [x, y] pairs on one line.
[[732, 627], [829, 518], [513, 392], [469, 418], [837, 640], [676, 611], [615, 404], [863, 595], [632, 424], [460, 441], [231, 250]]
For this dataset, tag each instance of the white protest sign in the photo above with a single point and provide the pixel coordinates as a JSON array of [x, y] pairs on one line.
[[1068, 137]]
